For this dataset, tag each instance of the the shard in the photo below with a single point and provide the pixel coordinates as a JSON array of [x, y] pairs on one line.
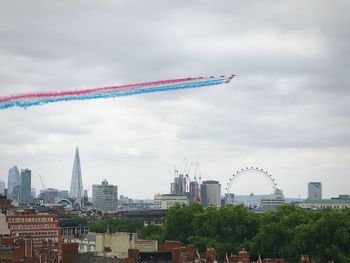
[[76, 185]]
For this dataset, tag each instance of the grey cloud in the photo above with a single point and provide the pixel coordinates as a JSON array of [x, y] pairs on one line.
[[291, 91]]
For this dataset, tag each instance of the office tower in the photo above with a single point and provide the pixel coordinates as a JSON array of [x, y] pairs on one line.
[[50, 196], [178, 187], [314, 191], [2, 188], [76, 185], [16, 191], [194, 193], [33, 193], [13, 183], [105, 197], [26, 185], [63, 194], [211, 193]]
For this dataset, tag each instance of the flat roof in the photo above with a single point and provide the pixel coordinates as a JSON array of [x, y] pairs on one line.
[[327, 201]]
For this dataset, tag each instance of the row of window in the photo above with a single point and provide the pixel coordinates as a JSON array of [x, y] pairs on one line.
[[30, 219], [45, 233], [40, 240], [40, 226], [332, 206], [169, 204]]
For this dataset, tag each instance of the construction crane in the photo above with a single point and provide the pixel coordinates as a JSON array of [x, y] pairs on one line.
[[42, 182], [189, 169]]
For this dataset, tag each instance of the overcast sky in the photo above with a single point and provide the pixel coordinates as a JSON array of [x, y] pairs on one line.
[[287, 111]]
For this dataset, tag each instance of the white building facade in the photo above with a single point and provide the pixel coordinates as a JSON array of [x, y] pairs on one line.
[[271, 202], [105, 197], [168, 200], [325, 203]]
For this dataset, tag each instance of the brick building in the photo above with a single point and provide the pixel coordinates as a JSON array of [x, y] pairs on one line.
[[42, 229], [12, 251], [179, 254], [5, 204], [69, 251]]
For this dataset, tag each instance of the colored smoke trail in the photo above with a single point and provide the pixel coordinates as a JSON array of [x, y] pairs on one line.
[[39, 98]]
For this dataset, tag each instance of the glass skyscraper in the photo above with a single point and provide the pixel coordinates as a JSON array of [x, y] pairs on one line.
[[314, 191], [26, 185], [211, 193], [76, 185], [13, 183]]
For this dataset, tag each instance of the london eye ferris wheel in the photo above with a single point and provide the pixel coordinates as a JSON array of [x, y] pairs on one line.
[[250, 171]]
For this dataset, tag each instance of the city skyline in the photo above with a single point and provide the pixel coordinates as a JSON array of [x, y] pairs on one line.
[[76, 177], [285, 111]]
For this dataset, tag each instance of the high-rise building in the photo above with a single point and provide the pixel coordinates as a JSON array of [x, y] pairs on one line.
[[33, 193], [16, 191], [26, 185], [178, 187], [211, 193], [13, 183], [194, 193], [105, 197], [76, 185], [314, 191], [50, 196], [2, 188], [63, 194]]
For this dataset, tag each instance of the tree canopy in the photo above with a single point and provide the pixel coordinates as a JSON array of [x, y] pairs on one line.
[[286, 233]]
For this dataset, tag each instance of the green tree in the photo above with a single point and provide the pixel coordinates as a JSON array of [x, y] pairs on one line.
[[153, 232], [286, 233], [331, 236], [276, 231], [178, 224], [81, 219], [224, 229]]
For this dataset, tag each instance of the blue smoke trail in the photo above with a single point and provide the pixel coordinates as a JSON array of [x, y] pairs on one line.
[[112, 94]]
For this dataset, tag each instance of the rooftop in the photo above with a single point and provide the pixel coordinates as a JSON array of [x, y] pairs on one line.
[[327, 201]]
